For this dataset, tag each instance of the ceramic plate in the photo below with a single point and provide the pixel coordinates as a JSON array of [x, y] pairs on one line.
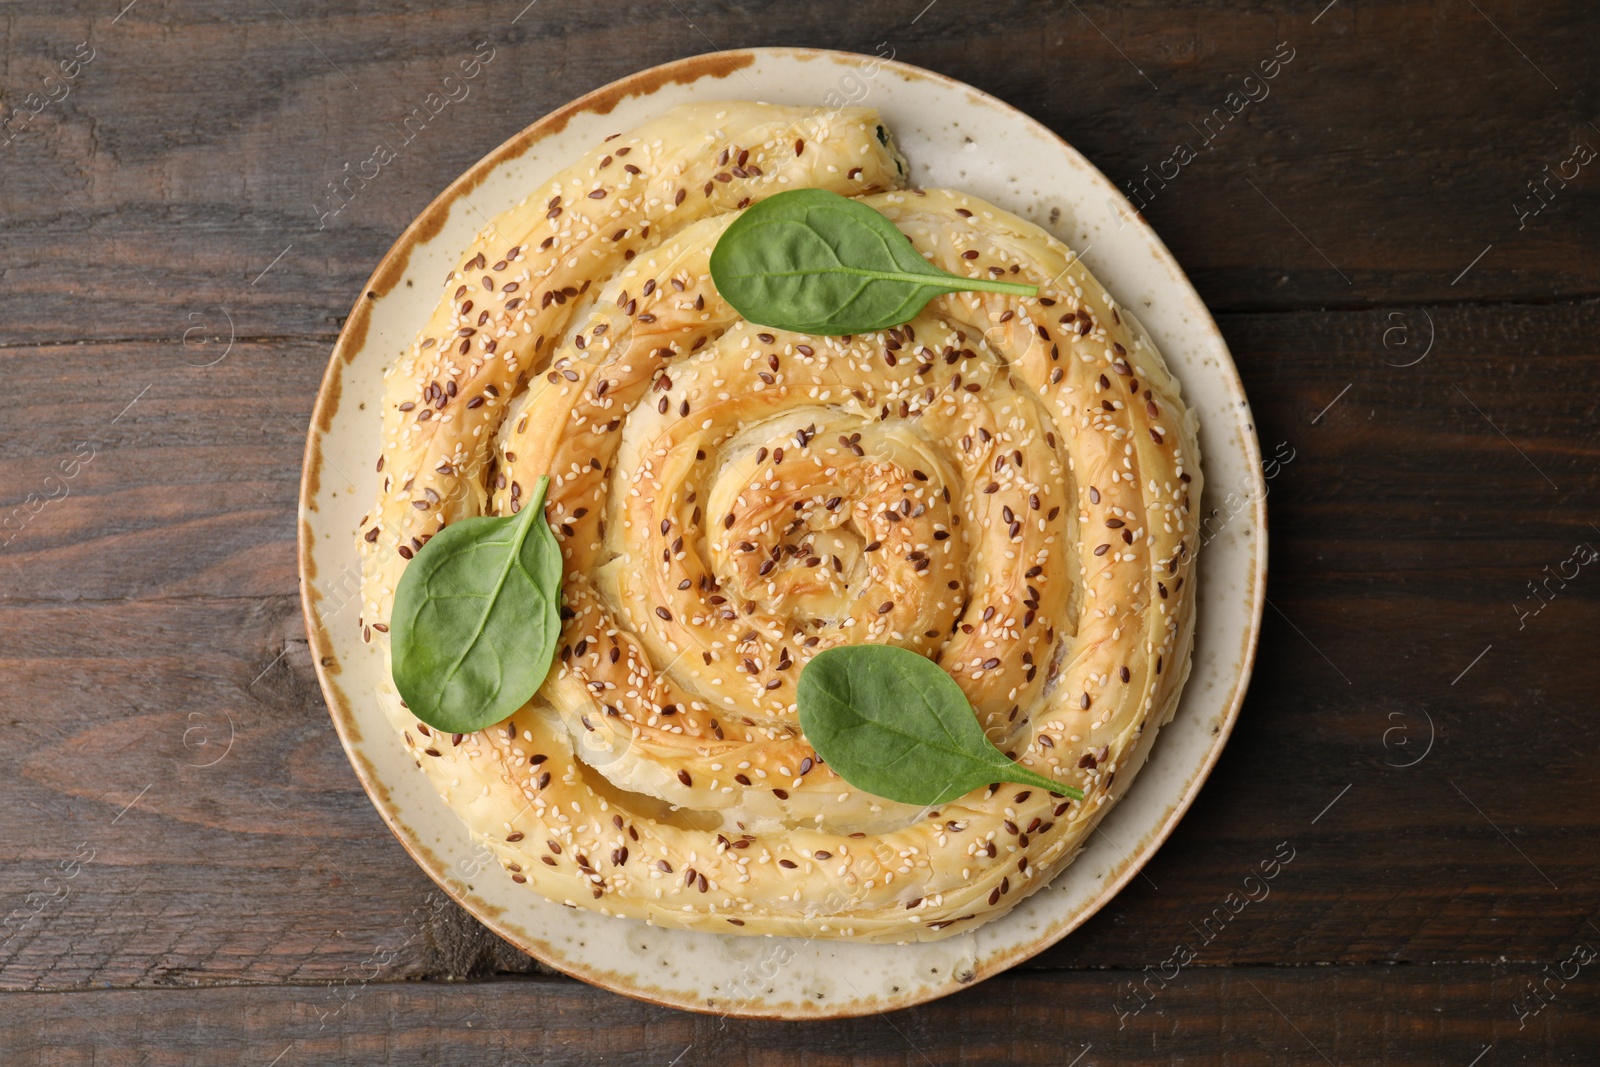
[[954, 136]]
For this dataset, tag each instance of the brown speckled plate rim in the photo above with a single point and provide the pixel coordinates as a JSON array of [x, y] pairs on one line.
[[351, 340]]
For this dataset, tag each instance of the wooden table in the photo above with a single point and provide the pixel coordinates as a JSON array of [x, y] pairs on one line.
[[191, 873]]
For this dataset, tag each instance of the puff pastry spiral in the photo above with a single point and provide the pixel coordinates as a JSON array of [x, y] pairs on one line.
[[1004, 484]]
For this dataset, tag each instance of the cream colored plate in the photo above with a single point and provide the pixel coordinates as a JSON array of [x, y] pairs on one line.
[[954, 136]]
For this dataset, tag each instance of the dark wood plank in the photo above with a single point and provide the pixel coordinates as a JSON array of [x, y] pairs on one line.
[[195, 149], [132, 473], [1236, 1016]]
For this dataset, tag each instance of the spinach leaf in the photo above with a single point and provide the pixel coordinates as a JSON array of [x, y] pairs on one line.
[[816, 262], [476, 619], [893, 723]]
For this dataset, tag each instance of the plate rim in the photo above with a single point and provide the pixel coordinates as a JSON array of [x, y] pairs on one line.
[[352, 336]]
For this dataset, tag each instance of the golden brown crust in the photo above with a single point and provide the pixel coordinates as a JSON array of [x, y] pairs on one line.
[[1003, 484]]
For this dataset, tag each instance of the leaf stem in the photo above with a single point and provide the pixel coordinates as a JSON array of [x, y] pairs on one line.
[[983, 284], [1023, 776]]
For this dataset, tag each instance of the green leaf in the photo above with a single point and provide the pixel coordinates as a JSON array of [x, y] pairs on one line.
[[816, 262], [895, 724], [476, 619]]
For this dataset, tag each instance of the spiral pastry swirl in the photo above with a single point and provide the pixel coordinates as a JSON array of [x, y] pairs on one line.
[[1003, 484]]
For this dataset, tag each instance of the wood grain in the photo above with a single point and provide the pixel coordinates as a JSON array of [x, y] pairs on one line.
[[194, 151], [189, 871], [1366, 1015]]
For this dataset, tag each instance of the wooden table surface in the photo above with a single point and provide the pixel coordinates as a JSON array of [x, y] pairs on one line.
[[1397, 234]]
